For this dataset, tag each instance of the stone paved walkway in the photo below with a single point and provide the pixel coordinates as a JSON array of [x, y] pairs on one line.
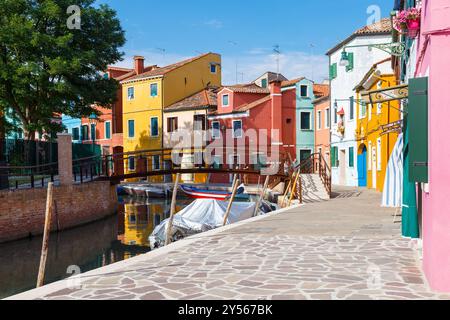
[[347, 248]]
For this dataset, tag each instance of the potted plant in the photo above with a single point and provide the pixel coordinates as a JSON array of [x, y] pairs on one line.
[[408, 22], [413, 22]]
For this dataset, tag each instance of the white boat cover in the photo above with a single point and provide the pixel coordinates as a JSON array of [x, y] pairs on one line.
[[200, 216]]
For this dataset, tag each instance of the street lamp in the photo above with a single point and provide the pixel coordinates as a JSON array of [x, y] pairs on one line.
[[397, 49]]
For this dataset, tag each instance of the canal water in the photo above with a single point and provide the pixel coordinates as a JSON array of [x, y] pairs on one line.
[[89, 247]]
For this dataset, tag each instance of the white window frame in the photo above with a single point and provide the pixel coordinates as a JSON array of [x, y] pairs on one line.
[[311, 126], [361, 108], [328, 118], [234, 131], [128, 93], [228, 96], [307, 90], [110, 130], [319, 120], [134, 128], [211, 65], [379, 153], [157, 90], [153, 162], [214, 130], [157, 119]]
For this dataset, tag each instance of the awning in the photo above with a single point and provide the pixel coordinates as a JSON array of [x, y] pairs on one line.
[[385, 94]]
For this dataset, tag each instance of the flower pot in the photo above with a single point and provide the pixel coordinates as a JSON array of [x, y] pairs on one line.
[[413, 28]]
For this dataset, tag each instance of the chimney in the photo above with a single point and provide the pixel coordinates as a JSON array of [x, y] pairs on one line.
[[139, 64], [276, 112]]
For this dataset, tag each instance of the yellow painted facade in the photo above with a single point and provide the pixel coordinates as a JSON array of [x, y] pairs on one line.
[[378, 147], [173, 84]]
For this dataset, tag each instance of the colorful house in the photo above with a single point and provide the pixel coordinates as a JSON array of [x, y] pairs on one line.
[[149, 92], [245, 107], [323, 123], [343, 79], [189, 116], [374, 143], [425, 68]]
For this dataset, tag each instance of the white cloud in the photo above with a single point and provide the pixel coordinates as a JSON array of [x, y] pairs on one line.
[[251, 65], [214, 23], [293, 65]]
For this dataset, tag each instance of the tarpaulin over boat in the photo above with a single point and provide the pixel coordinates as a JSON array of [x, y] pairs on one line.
[[200, 216]]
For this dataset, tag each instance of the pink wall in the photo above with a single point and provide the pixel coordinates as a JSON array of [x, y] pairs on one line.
[[322, 136], [436, 203]]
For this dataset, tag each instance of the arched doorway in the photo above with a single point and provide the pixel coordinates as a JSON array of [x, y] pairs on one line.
[[362, 166]]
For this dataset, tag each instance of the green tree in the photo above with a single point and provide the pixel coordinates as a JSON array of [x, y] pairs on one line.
[[47, 68]]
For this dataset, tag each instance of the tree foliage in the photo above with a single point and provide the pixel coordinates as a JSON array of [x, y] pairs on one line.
[[48, 69]]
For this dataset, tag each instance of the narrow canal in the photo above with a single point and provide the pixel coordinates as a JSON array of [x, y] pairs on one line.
[[89, 247]]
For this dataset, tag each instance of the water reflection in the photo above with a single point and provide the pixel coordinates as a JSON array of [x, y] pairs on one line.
[[116, 238]]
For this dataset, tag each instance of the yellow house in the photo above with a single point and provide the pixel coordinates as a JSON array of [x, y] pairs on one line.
[[146, 94], [374, 145]]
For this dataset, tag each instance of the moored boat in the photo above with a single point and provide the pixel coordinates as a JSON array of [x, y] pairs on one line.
[[196, 193]]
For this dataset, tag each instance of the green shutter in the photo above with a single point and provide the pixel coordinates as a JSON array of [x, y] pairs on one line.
[[350, 61], [333, 156], [333, 71], [418, 129], [351, 157]]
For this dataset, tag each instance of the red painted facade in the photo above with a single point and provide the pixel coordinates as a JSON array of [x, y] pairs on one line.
[[272, 110]]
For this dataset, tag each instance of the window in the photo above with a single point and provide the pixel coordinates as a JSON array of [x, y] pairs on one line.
[[379, 154], [333, 71], [200, 122], [154, 127], [305, 121], [172, 124], [93, 131], [237, 129], [351, 157], [352, 108], [351, 59], [84, 132], [75, 134], [130, 93], [131, 164], [108, 130], [156, 163], [319, 120], [217, 162], [334, 157], [154, 90], [335, 115], [130, 128], [304, 91], [363, 110], [369, 164], [216, 130], [328, 119], [264, 83], [213, 68], [225, 100]]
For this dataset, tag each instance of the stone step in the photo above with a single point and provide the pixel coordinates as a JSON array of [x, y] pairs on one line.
[[313, 189]]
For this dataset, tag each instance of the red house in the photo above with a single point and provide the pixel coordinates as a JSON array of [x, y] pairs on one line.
[[242, 108]]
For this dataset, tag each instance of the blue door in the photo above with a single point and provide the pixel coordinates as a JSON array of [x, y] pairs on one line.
[[362, 168]]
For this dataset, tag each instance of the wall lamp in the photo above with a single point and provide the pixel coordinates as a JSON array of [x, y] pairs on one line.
[[397, 49]]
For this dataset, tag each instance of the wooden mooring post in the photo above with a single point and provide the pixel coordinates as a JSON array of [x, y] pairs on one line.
[[173, 207], [47, 226], [261, 196], [230, 204]]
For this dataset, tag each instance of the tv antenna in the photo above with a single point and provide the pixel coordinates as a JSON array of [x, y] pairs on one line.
[[237, 62], [276, 50], [163, 52]]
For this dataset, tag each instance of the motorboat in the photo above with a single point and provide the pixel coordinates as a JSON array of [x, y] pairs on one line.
[[196, 193]]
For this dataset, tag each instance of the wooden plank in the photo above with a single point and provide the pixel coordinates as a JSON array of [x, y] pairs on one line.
[[173, 207], [230, 204]]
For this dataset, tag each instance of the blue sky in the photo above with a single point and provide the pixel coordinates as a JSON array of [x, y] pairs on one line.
[[243, 31]]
